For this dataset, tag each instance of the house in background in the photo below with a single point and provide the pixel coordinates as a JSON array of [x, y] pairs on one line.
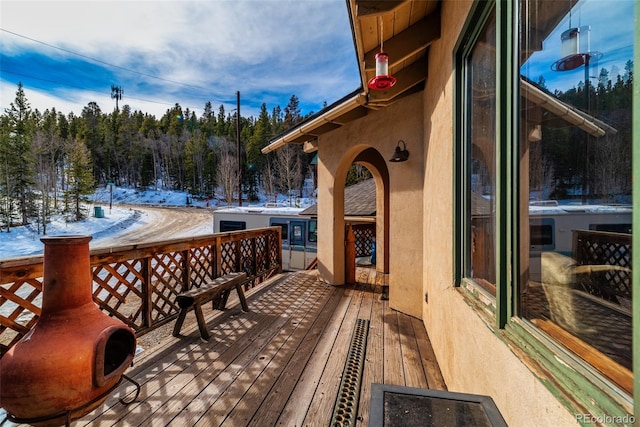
[[454, 228], [360, 220]]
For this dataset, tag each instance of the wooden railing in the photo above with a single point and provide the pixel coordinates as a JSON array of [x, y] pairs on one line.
[[138, 284], [365, 235], [605, 248]]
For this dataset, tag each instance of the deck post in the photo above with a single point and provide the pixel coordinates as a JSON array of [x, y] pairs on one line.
[[350, 255]]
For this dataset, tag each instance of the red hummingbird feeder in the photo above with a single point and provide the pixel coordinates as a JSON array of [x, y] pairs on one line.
[[382, 80]]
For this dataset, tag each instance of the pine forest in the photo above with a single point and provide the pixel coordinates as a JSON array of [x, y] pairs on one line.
[[51, 161]]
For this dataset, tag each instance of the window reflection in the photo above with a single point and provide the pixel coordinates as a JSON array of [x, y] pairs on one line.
[[481, 69], [575, 178]]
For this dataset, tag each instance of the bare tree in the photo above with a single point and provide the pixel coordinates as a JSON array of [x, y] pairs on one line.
[[268, 176], [288, 167], [541, 172], [7, 184], [610, 162], [45, 148], [196, 154], [227, 173]]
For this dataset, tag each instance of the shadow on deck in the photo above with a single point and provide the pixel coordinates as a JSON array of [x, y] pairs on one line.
[[279, 364]]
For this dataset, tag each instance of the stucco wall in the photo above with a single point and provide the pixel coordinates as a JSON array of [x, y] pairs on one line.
[[380, 130], [471, 357]]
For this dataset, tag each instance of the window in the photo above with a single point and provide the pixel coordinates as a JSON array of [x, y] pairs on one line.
[[575, 150], [544, 137], [541, 233], [285, 229], [232, 225], [313, 231], [297, 233], [480, 148]]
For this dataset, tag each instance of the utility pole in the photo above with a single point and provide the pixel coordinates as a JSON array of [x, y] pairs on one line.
[[116, 93], [238, 150]]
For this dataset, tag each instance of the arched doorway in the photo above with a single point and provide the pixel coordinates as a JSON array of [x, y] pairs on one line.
[[375, 163]]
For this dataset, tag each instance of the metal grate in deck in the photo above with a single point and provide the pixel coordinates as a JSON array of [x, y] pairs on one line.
[[346, 406]]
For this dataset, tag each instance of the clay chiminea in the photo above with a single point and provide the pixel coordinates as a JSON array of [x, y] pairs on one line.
[[75, 355]]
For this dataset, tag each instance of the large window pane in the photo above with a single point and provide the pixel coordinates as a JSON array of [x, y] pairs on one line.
[[481, 151], [575, 177]]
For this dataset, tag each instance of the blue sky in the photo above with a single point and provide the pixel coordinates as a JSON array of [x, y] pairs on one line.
[[162, 52], [611, 36]]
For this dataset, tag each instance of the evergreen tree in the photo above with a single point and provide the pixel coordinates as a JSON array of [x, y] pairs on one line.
[[90, 129], [277, 121], [292, 114], [208, 121], [256, 142], [628, 71], [196, 151], [151, 171], [79, 176], [222, 126], [7, 180], [259, 139], [18, 158]]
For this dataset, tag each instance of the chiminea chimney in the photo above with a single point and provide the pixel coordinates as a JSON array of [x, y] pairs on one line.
[[75, 355]]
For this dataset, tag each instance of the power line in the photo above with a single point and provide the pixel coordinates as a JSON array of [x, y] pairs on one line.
[[103, 62], [5, 71], [206, 90], [94, 90]]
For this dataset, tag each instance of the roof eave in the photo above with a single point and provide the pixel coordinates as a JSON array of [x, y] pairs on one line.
[[329, 115]]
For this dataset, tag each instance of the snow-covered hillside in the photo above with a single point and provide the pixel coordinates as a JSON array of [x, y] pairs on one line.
[[119, 217]]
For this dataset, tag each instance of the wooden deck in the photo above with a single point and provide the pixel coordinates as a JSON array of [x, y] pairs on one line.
[[279, 364]]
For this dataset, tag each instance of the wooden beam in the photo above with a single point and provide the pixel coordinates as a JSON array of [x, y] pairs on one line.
[[409, 42], [376, 7], [310, 146]]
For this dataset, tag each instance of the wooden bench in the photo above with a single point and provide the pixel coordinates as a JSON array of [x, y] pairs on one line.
[[216, 291]]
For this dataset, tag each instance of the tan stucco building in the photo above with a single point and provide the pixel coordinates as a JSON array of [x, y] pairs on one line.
[[426, 236]]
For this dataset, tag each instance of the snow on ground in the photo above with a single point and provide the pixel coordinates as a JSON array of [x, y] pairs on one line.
[[21, 241], [119, 217]]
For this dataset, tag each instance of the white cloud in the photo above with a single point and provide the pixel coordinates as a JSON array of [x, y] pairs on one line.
[[174, 32], [71, 101], [218, 46]]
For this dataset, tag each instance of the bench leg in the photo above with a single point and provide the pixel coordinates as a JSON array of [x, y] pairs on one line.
[[243, 299], [220, 302], [204, 333], [179, 322]]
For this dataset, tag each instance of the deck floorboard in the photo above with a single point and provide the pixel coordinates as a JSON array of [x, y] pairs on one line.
[[279, 364]]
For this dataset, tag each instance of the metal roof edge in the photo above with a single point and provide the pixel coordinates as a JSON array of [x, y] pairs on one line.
[[347, 103]]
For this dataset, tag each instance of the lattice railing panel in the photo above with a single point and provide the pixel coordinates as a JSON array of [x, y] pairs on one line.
[[139, 286], [605, 248], [118, 290], [229, 257], [364, 234], [261, 253], [275, 249], [166, 283], [201, 265], [21, 303], [246, 256]]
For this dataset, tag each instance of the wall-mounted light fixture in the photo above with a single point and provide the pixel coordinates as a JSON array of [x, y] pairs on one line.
[[401, 154]]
